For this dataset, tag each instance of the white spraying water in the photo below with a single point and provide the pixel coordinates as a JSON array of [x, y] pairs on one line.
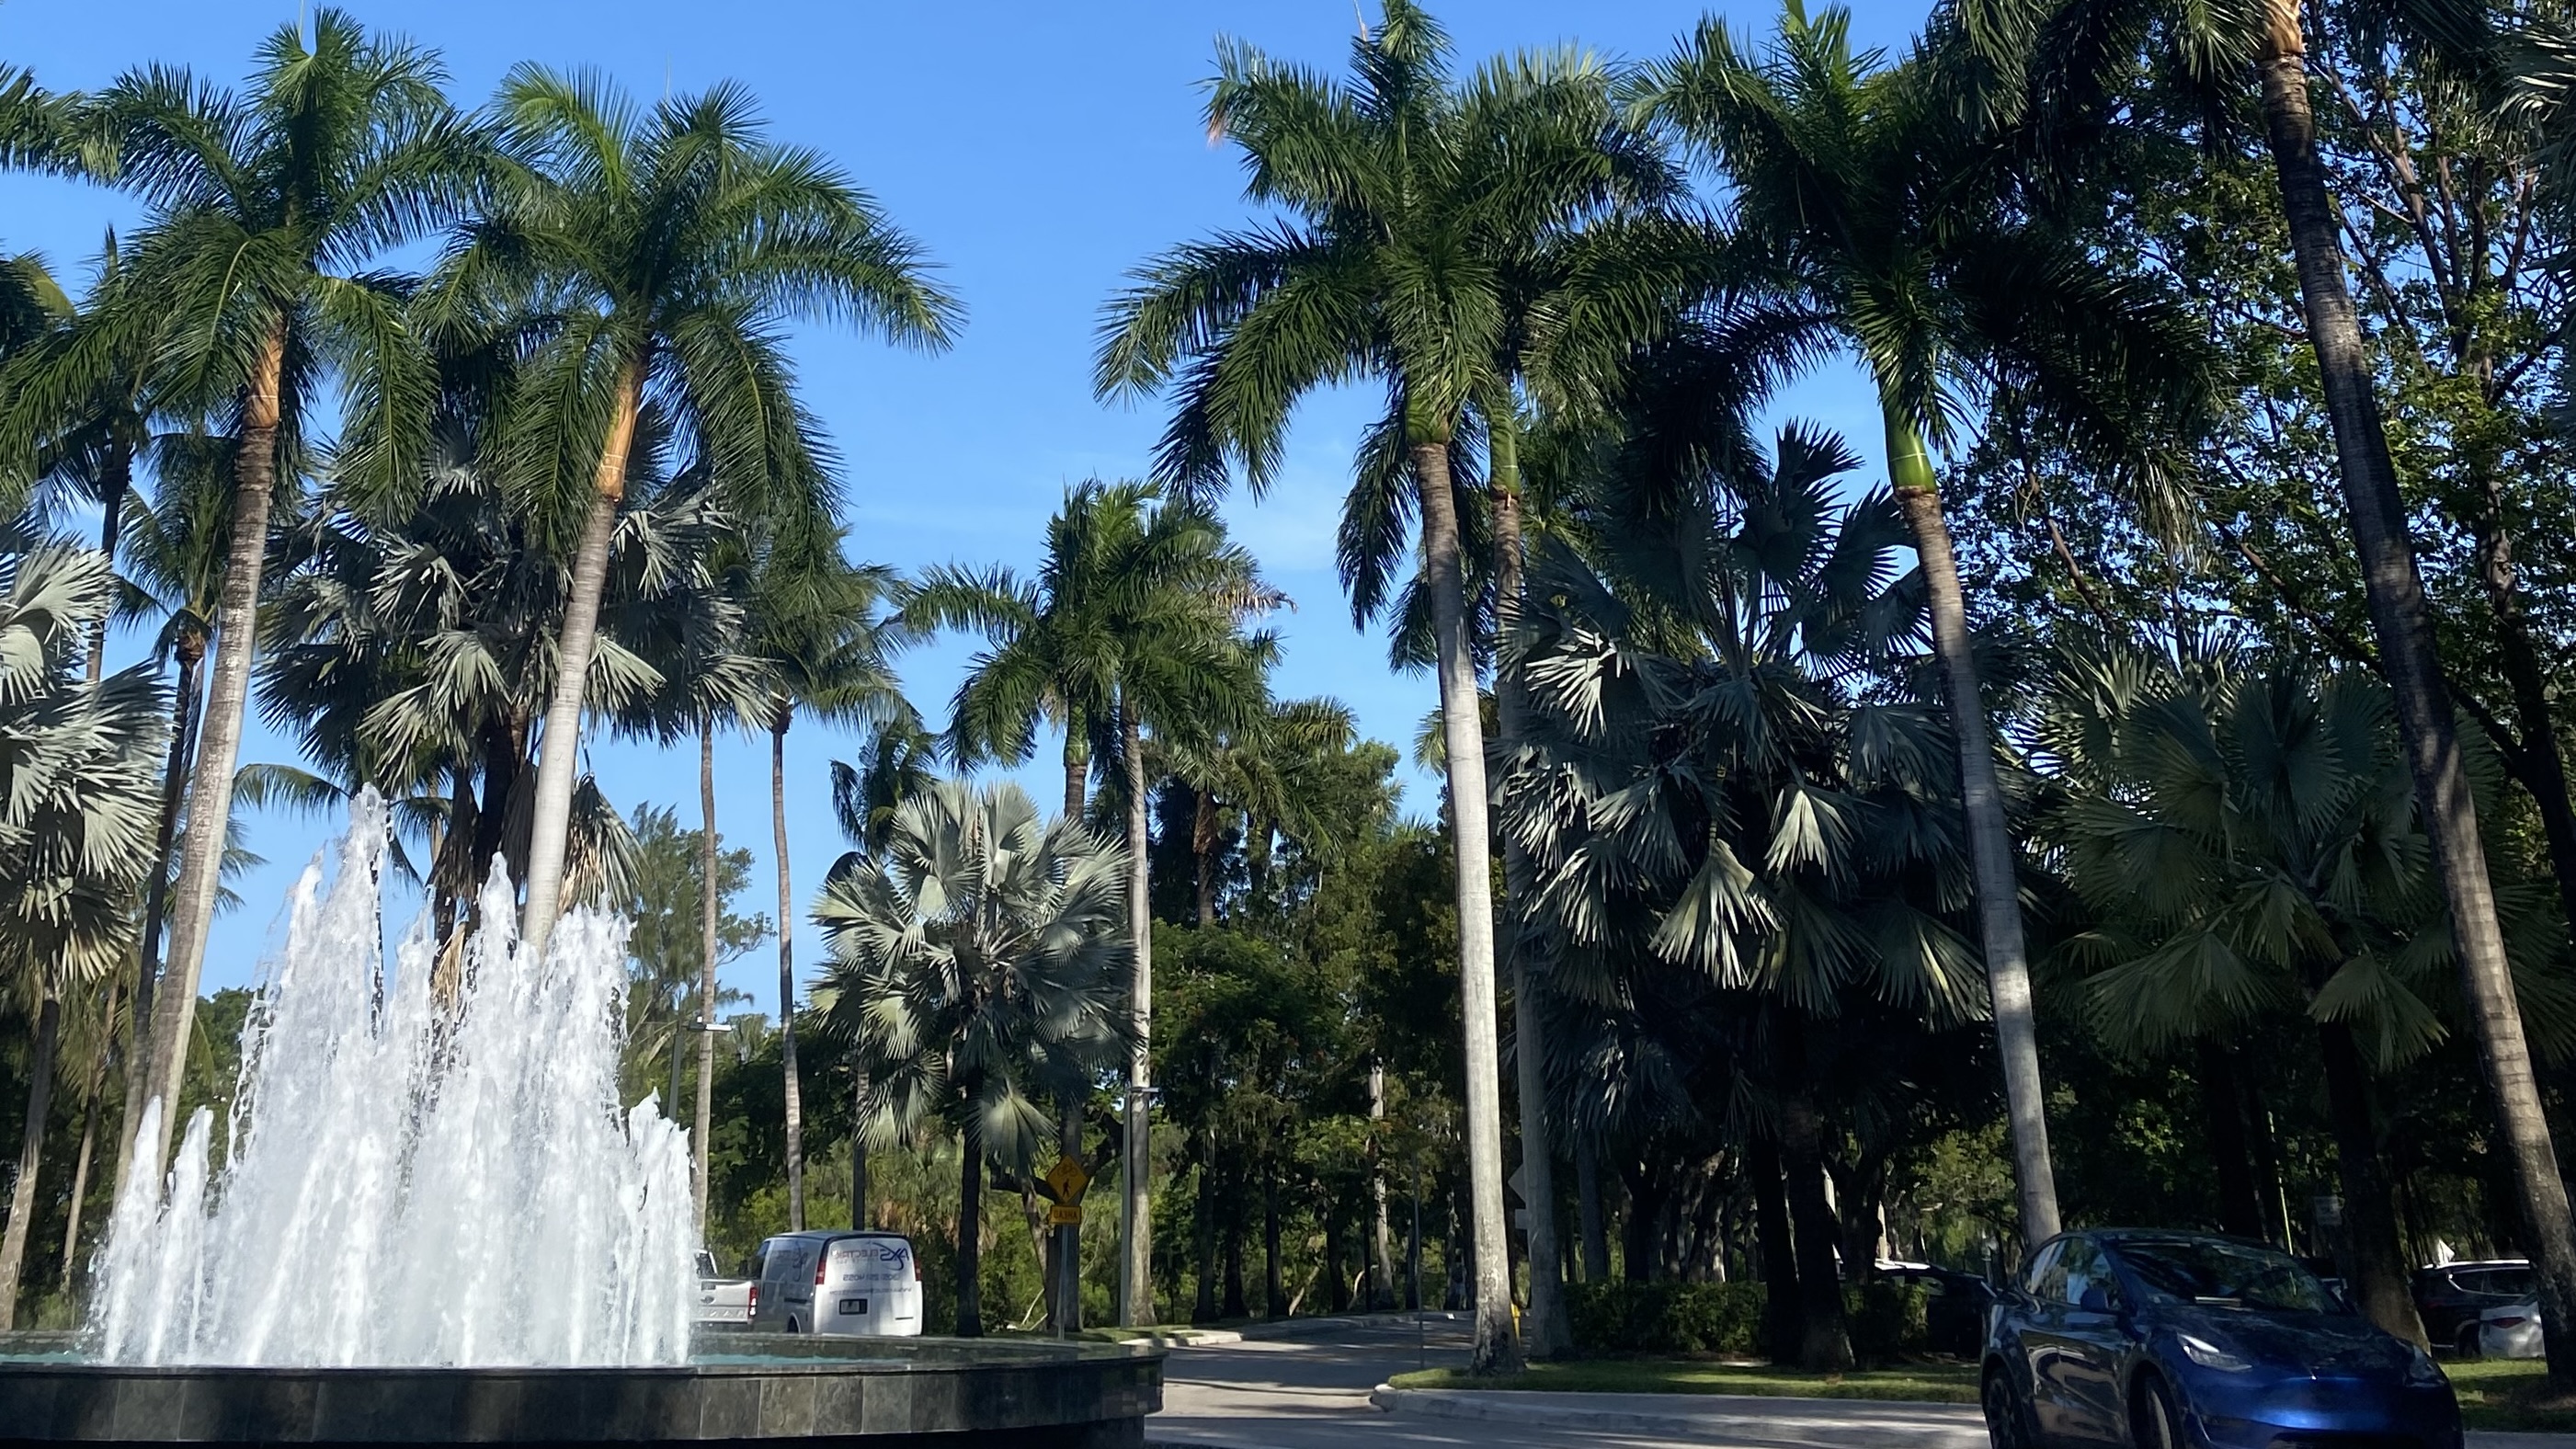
[[411, 1180]]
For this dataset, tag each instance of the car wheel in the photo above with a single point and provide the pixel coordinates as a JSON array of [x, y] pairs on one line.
[[2154, 1423], [792, 1328], [2468, 1345], [2007, 1422]]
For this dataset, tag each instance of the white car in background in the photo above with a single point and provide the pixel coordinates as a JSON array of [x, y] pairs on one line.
[[2511, 1331], [723, 1302]]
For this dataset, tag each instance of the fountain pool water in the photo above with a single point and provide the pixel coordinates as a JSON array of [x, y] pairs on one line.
[[432, 1223], [420, 1171]]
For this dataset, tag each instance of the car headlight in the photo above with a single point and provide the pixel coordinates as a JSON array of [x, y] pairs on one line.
[[2210, 1356], [2421, 1371]]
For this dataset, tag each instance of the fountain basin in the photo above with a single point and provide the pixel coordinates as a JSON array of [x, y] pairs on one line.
[[924, 1393]]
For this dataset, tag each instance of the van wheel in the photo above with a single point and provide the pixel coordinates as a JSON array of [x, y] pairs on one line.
[[792, 1328], [2467, 1347]]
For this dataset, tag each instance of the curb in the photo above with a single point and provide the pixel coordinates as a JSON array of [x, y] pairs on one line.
[[1776, 1421], [1310, 1327], [1788, 1423]]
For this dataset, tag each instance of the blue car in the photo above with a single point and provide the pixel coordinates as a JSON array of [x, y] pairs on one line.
[[2164, 1340]]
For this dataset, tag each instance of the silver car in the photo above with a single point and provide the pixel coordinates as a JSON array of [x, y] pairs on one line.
[[838, 1281], [2511, 1331]]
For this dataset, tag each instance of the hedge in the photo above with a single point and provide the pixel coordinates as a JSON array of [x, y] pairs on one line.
[[1725, 1319]]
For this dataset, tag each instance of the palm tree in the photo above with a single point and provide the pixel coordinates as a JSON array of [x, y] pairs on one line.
[[1254, 771], [1731, 794], [76, 822], [815, 621], [1407, 199], [981, 955], [2247, 840], [661, 251], [262, 210], [1879, 208], [1130, 623]]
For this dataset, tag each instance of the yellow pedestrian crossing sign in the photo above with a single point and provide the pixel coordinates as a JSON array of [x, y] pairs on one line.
[[1065, 1182]]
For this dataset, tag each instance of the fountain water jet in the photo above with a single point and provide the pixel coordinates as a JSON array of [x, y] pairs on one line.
[[415, 1179]]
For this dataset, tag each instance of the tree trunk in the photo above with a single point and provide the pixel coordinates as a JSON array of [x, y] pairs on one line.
[[1274, 1295], [1064, 1282], [1784, 1320], [1547, 1330], [31, 1151], [111, 520], [2401, 620], [787, 969], [1382, 1261], [709, 902], [970, 1234], [1077, 768], [2534, 759], [1136, 1165], [2240, 1203], [503, 751], [559, 748], [1498, 1348], [1337, 1293], [1234, 1304], [210, 783], [859, 1218], [191, 650], [91, 1102], [1990, 846], [1587, 1210], [1637, 1235], [1203, 1308], [1203, 844], [1824, 1344], [2378, 1260]]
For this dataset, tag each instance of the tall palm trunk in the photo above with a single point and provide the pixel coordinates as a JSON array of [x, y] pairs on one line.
[[1783, 1312], [1203, 845], [859, 1147], [1136, 1220], [703, 1122], [559, 750], [111, 508], [2377, 1261], [1381, 1254], [1824, 1341], [2240, 1203], [1549, 1333], [210, 784], [1203, 1231], [31, 1150], [1498, 1347], [787, 968], [1990, 847], [191, 649], [970, 1233], [2413, 667], [92, 1101], [1587, 1210]]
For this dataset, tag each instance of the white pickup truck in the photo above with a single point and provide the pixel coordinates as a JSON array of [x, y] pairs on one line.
[[723, 1302]]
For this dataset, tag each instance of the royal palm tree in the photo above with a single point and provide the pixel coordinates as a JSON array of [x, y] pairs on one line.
[[263, 210], [1881, 210], [76, 822], [1406, 198], [660, 251], [1130, 623], [980, 955], [817, 623]]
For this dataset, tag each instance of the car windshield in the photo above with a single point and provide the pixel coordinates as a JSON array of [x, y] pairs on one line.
[[2225, 1275]]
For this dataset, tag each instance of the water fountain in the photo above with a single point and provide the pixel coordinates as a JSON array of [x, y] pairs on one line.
[[433, 1223]]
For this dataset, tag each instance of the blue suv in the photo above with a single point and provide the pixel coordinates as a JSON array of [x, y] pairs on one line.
[[2167, 1340]]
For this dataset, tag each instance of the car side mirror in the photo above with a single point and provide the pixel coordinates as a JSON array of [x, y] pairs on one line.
[[2097, 1299]]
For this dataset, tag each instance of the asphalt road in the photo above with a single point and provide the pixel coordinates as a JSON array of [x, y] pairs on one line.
[[1312, 1393]]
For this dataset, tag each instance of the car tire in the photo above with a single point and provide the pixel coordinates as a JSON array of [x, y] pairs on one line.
[[2468, 1346], [2154, 1422], [2008, 1423]]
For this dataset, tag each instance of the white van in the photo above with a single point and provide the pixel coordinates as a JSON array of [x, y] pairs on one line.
[[838, 1281]]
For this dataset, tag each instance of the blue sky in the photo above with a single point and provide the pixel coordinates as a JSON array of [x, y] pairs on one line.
[[1038, 151]]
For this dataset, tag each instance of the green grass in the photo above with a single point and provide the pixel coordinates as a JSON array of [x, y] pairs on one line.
[[2510, 1394], [1934, 1383], [2494, 1393]]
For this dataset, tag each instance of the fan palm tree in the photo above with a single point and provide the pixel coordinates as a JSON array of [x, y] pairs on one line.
[[1408, 198], [1882, 211], [658, 252], [76, 822], [1130, 623], [817, 623], [262, 210], [981, 955], [2247, 840], [1733, 791]]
